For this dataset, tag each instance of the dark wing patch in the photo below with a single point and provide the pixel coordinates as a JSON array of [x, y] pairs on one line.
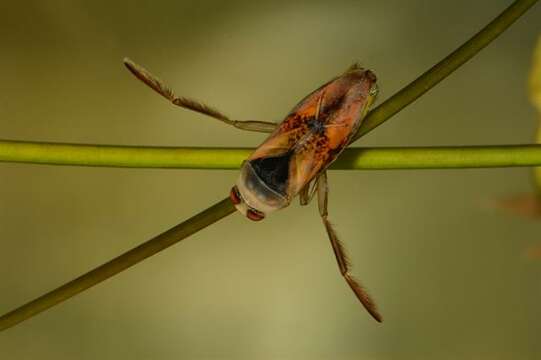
[[274, 171]]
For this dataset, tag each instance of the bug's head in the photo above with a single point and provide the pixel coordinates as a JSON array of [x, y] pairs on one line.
[[243, 207]]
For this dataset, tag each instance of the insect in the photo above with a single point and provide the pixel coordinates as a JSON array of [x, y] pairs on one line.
[[294, 158]]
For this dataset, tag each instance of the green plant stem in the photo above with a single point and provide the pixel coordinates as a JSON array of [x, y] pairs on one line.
[[447, 157], [223, 208], [231, 158], [444, 68], [120, 263]]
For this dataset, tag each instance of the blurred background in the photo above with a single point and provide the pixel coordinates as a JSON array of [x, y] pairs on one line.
[[448, 270]]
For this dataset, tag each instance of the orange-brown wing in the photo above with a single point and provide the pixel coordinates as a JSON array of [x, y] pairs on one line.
[[310, 156], [292, 129], [301, 152], [314, 133], [339, 112]]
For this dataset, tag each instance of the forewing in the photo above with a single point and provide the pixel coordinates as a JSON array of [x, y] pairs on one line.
[[290, 131], [310, 156], [314, 133], [338, 114]]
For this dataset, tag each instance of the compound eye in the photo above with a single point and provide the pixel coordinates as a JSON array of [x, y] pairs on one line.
[[234, 195], [254, 215]]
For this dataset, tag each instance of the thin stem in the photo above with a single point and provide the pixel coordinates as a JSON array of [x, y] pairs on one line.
[[444, 68], [231, 158], [445, 157], [223, 208], [122, 262]]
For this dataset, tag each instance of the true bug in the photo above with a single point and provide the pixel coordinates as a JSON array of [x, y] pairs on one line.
[[294, 158]]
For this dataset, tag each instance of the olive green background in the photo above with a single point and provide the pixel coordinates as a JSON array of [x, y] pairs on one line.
[[448, 271]]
